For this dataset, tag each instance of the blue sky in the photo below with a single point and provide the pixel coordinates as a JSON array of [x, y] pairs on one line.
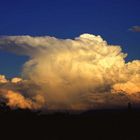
[[67, 19]]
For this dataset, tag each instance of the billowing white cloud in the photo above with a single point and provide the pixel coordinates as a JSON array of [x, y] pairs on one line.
[[65, 74]]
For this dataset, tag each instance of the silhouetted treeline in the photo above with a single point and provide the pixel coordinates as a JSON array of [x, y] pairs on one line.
[[90, 125]]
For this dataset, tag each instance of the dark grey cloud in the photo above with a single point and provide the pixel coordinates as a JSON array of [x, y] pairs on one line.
[[135, 29]]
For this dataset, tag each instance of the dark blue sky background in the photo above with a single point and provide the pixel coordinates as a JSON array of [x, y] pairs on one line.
[[67, 19]]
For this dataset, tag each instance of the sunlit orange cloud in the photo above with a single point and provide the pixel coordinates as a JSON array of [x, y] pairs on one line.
[[17, 100], [71, 74]]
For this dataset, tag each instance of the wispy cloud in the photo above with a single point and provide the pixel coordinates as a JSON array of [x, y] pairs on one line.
[[135, 28]]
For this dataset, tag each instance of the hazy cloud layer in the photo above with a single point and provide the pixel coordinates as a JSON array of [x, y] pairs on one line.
[[135, 29], [65, 74]]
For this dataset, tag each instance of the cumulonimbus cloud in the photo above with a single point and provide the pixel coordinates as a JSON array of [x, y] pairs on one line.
[[70, 74]]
